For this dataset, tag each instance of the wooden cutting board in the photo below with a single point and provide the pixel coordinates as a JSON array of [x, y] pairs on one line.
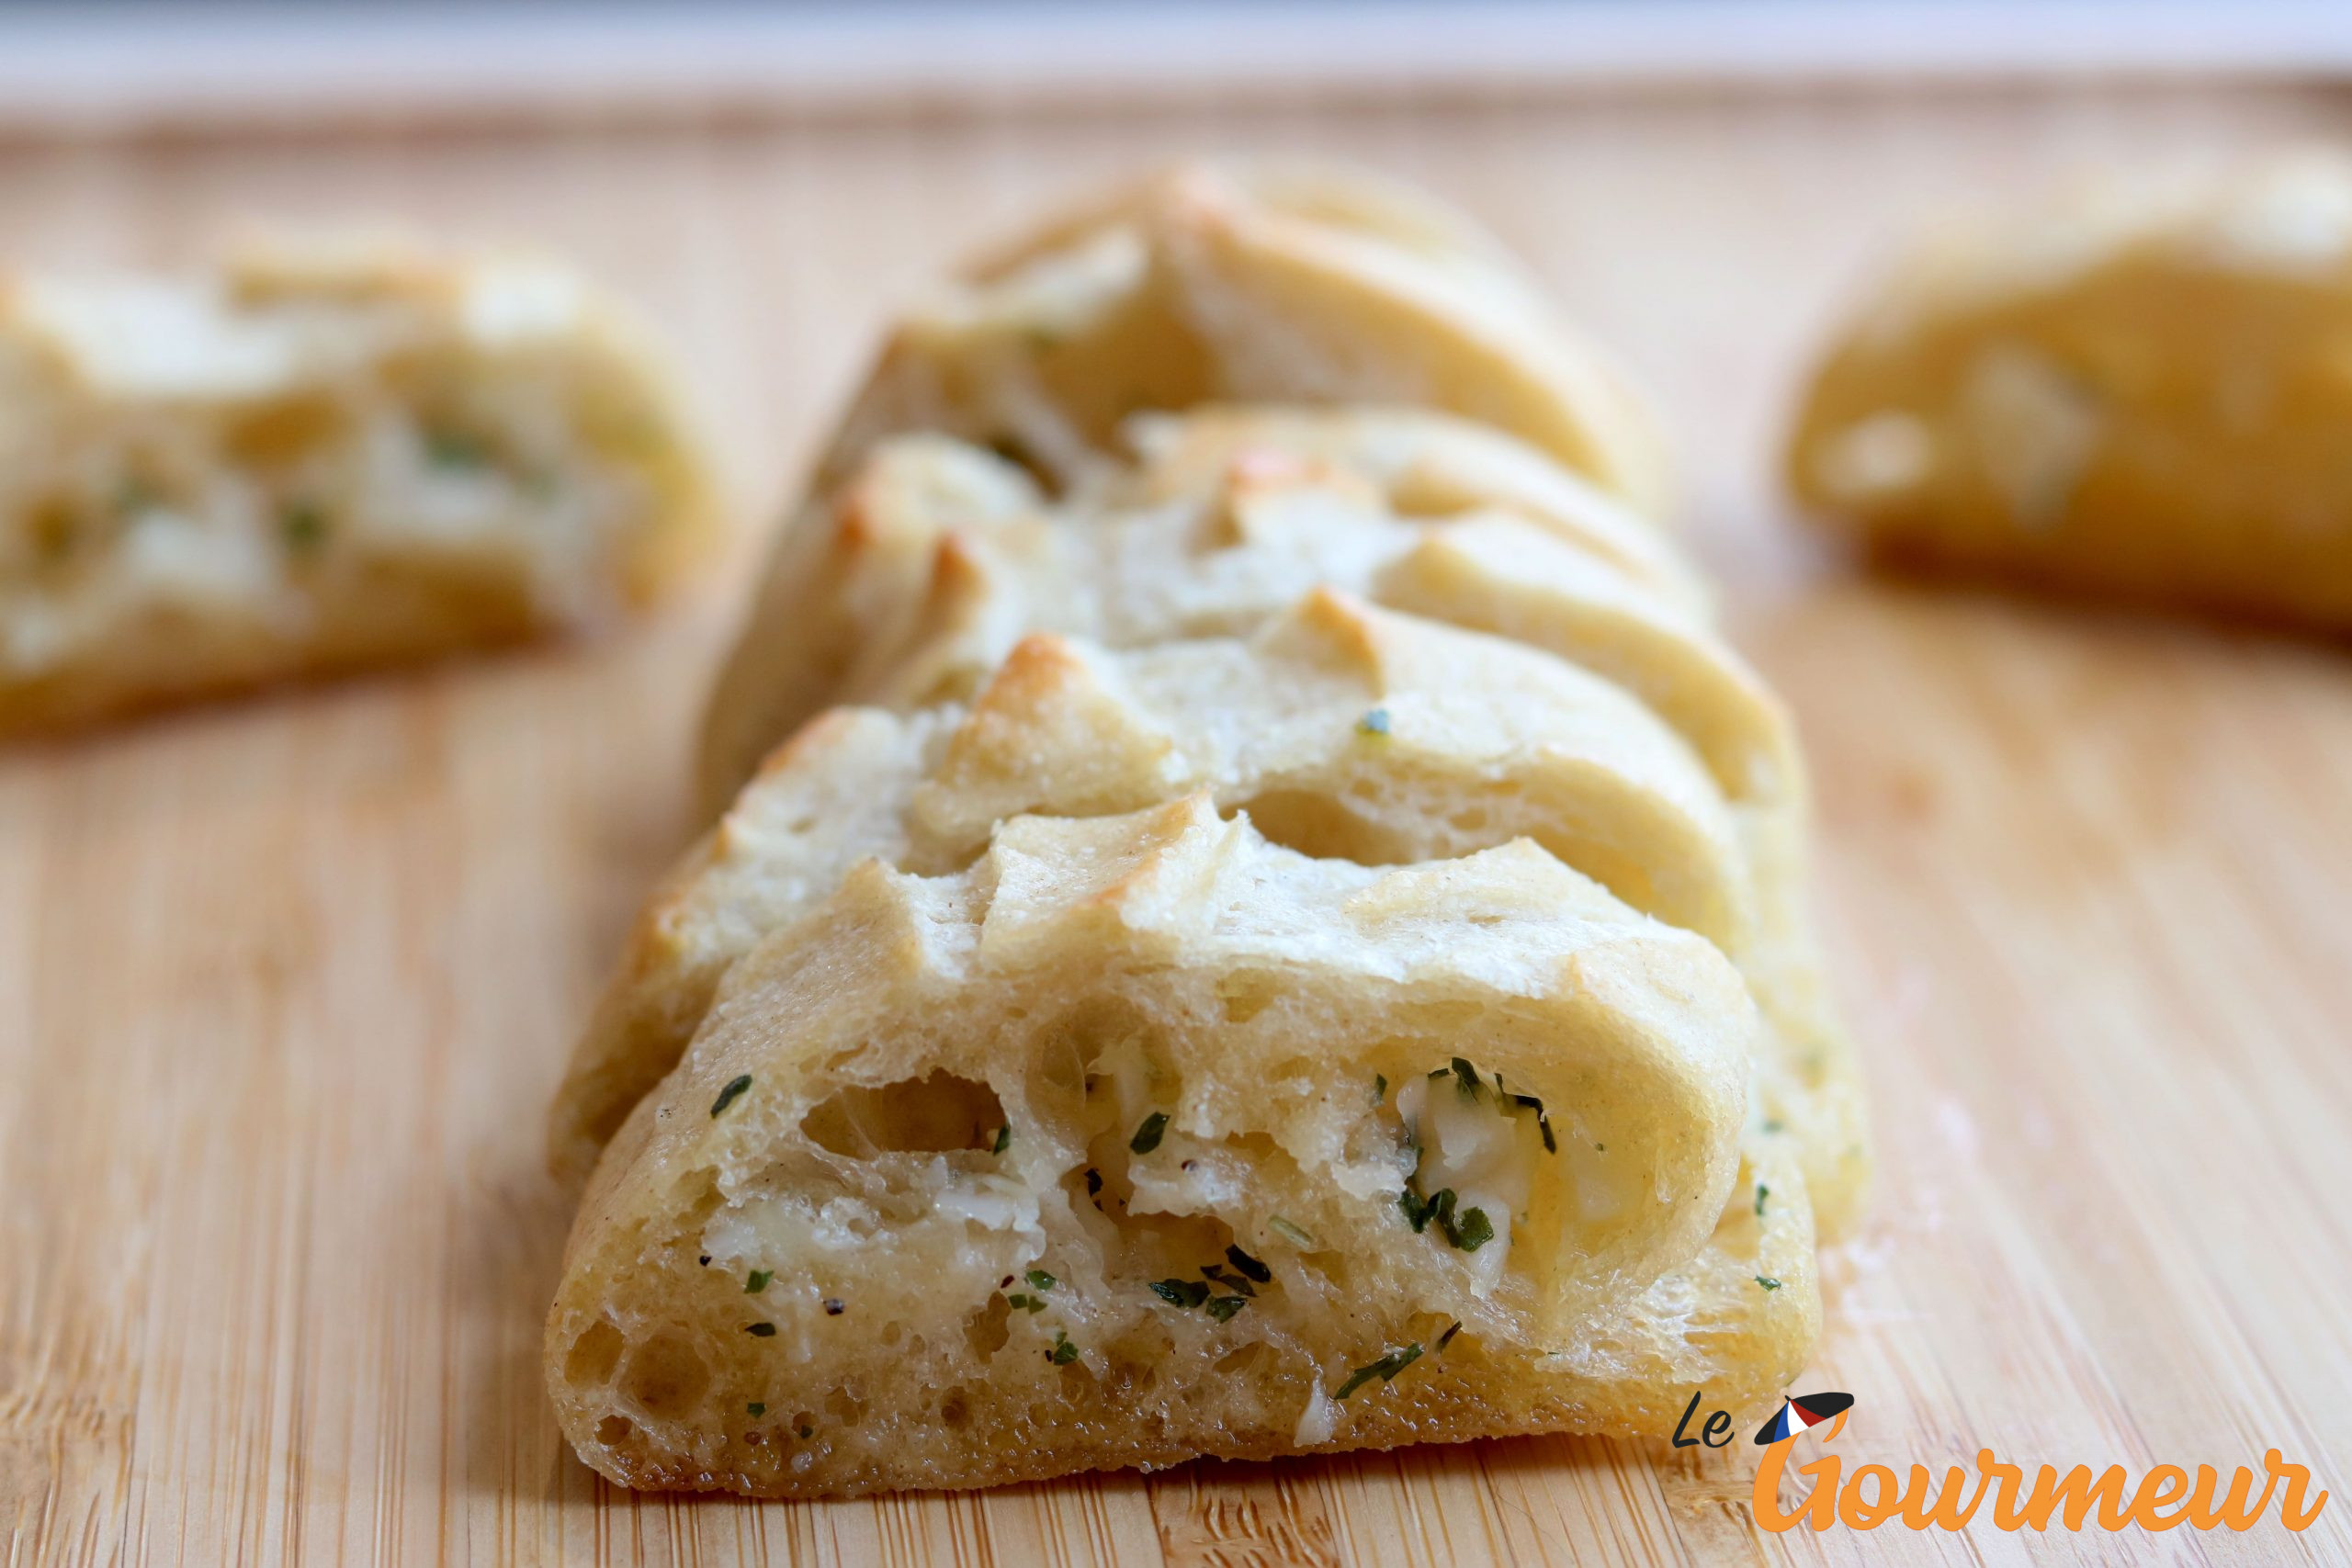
[[284, 985]]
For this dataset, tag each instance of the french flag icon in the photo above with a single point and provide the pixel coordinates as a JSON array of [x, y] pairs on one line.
[[1800, 1412]]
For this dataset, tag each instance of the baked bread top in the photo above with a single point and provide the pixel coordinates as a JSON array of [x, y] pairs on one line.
[[1259, 281], [314, 459]]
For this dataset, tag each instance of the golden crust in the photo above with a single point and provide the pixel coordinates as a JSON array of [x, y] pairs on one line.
[[2137, 393], [1292, 283], [1129, 942], [307, 463]]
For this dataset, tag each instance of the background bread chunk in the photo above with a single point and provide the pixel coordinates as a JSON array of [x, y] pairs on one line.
[[311, 462], [2139, 393], [1258, 281], [1155, 1051]]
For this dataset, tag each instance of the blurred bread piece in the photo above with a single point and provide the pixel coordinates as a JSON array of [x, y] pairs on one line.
[[319, 459], [957, 1185], [2140, 392], [1261, 281]]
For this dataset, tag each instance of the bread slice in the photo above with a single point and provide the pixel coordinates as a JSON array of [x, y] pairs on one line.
[[939, 556], [2136, 391], [1342, 732], [1101, 1152], [315, 461]]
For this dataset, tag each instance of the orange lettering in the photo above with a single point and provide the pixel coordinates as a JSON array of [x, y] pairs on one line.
[[2290, 1508], [2074, 1496], [1945, 1513], [1861, 1515], [2165, 1483], [2232, 1512], [1819, 1510], [2005, 1502]]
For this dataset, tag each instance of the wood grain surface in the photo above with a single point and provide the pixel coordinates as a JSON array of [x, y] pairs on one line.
[[285, 984]]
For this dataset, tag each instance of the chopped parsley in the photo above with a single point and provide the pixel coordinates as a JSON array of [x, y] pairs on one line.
[[756, 1408], [1180, 1293], [757, 1280], [1447, 1337], [1379, 1088], [1289, 1232], [1215, 1275], [1003, 1139], [1374, 722], [1224, 1307], [445, 449], [1027, 1303], [1469, 1232], [1386, 1370], [1247, 1266], [729, 1094], [1542, 1121], [1769, 1284], [760, 1330], [302, 526], [1147, 1136], [1761, 1192], [1063, 1352], [1040, 1281]]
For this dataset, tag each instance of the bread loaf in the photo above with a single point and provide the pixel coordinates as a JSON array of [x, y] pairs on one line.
[[1259, 929]]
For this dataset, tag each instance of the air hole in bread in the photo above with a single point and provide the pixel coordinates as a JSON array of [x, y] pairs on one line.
[[595, 1354], [665, 1376], [931, 1114], [614, 1430], [1321, 827]]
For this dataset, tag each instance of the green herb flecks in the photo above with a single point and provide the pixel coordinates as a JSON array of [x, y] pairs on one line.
[[1379, 1088], [760, 1330], [1215, 1275], [1003, 1139], [1447, 1337], [757, 1280], [1027, 1303], [302, 528], [1769, 1284], [1180, 1293], [1386, 1370], [756, 1408], [447, 449], [1224, 1307], [1249, 1267], [1762, 1191], [729, 1095], [1542, 1121], [1040, 1281], [1063, 1352], [1467, 1232], [1772, 1125], [1374, 722], [1465, 1078], [1475, 1231], [1147, 1136]]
